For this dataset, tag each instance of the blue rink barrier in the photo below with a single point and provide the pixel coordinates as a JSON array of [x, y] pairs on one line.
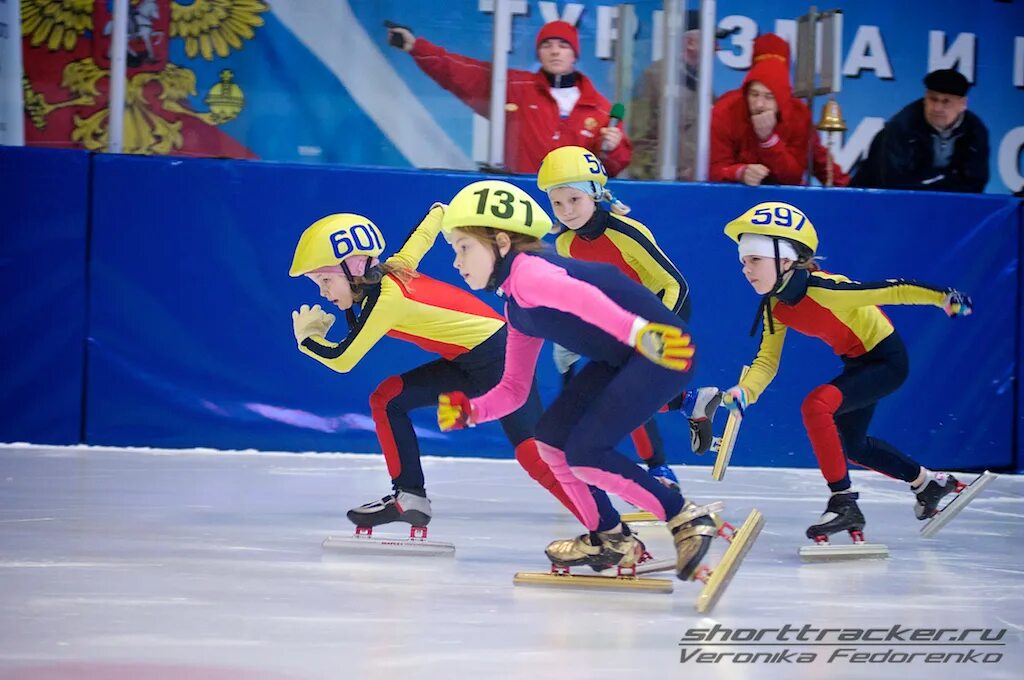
[[190, 339], [43, 245]]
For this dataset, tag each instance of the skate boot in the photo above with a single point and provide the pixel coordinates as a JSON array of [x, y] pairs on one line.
[[702, 404], [928, 498], [598, 550], [841, 514], [692, 529], [664, 474], [402, 506]]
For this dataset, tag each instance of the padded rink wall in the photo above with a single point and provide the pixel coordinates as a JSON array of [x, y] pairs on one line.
[[147, 303]]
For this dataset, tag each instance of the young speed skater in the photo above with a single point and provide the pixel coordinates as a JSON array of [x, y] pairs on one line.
[[640, 357], [574, 180], [777, 246], [339, 253]]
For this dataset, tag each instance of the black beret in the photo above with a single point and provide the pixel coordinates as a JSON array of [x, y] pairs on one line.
[[947, 81]]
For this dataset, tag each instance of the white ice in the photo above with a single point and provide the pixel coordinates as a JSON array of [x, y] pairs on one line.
[[120, 564]]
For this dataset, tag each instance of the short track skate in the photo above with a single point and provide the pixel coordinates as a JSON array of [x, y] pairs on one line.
[[616, 578], [723, 445], [715, 580], [965, 493], [824, 551], [365, 543]]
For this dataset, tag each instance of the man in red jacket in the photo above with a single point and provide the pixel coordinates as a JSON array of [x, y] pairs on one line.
[[556, 106], [760, 132]]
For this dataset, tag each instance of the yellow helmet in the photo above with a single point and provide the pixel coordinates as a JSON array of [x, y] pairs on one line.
[[570, 164], [775, 219], [334, 238], [496, 204]]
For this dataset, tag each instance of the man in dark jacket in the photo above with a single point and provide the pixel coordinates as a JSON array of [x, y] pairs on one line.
[[933, 144]]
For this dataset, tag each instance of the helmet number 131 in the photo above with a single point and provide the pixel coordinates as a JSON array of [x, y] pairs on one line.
[[502, 204]]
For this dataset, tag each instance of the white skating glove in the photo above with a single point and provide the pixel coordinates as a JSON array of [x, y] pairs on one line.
[[735, 399], [564, 359], [665, 345], [309, 322]]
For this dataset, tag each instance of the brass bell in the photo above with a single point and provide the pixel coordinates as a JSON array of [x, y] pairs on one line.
[[832, 117]]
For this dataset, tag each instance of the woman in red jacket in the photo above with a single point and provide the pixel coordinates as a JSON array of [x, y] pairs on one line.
[[553, 107]]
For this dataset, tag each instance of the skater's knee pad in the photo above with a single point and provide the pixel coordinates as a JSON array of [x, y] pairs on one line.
[[385, 392], [822, 403]]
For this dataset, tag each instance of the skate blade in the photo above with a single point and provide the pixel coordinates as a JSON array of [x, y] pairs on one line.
[[382, 545], [719, 580], [727, 440], [639, 518], [648, 567], [592, 582], [958, 503], [841, 553]]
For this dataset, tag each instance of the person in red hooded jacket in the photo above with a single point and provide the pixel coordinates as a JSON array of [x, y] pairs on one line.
[[760, 132], [556, 106]]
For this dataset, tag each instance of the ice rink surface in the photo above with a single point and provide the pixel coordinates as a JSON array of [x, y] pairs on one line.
[[208, 565]]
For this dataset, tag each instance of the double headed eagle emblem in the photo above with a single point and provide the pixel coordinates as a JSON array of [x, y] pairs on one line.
[[157, 91]]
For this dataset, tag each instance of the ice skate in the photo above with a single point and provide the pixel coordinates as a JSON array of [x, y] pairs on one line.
[[841, 514], [702, 415], [928, 499], [402, 506], [693, 529], [938, 486], [617, 554], [598, 550]]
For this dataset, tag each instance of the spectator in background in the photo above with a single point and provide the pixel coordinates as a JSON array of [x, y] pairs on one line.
[[556, 106], [933, 144], [645, 114], [760, 132]]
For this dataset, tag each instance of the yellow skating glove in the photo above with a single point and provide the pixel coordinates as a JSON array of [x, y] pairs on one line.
[[665, 345], [454, 411], [309, 322]]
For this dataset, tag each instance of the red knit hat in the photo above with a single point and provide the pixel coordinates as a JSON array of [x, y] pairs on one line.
[[561, 30], [774, 75], [770, 47]]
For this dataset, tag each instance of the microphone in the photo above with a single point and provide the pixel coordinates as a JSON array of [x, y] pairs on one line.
[[617, 114]]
